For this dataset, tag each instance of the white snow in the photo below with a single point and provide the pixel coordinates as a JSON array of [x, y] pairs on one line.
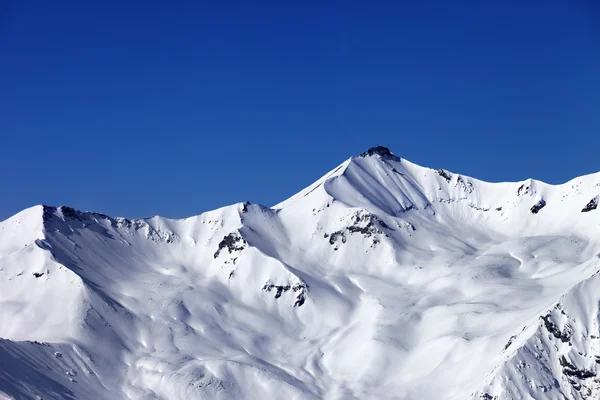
[[383, 280]]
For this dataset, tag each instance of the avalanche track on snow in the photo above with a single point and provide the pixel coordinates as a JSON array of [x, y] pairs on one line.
[[382, 280]]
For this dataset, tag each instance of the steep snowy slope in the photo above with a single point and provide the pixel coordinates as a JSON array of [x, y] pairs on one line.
[[383, 279]]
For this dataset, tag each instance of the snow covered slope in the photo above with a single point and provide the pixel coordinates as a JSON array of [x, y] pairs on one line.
[[382, 280]]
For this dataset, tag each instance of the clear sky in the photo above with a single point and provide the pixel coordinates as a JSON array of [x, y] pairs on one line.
[[178, 107]]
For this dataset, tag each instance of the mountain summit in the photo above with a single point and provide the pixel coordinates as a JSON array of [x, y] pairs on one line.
[[381, 280], [378, 150]]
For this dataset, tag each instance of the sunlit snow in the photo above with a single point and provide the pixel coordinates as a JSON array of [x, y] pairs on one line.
[[383, 280]]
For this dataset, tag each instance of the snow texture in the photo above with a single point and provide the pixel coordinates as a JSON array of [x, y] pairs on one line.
[[382, 280]]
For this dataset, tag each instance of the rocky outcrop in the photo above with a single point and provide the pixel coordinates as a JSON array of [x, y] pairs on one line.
[[378, 150], [363, 223], [300, 290], [233, 242], [538, 206], [592, 205], [444, 174]]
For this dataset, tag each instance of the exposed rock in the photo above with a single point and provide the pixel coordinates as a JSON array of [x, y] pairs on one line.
[[70, 213], [364, 223], [564, 336], [538, 206], [300, 289], [378, 150], [523, 190], [232, 242], [444, 174], [571, 370], [510, 341], [333, 238], [466, 186], [592, 205], [278, 289], [245, 206]]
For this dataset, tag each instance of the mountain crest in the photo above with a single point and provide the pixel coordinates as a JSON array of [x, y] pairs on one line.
[[340, 291], [379, 151]]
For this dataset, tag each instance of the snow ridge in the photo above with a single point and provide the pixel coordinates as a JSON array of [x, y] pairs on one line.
[[383, 279]]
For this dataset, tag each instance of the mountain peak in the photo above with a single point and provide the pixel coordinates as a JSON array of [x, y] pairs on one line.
[[381, 151], [379, 264]]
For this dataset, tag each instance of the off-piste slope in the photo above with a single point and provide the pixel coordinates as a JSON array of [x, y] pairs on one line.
[[381, 280]]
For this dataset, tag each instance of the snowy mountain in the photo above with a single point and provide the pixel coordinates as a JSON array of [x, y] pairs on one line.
[[382, 280]]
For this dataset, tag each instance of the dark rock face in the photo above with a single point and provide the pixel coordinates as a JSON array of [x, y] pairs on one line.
[[232, 242], [564, 337], [245, 206], [71, 213], [465, 185], [538, 206], [444, 174], [572, 371], [335, 236], [369, 228], [48, 212], [299, 289], [301, 294], [378, 150], [523, 190], [592, 205], [365, 224], [510, 342], [278, 289]]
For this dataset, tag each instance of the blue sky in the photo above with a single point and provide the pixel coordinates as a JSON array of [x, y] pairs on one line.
[[175, 108]]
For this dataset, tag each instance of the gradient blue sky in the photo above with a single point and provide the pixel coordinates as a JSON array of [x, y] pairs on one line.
[[175, 108]]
